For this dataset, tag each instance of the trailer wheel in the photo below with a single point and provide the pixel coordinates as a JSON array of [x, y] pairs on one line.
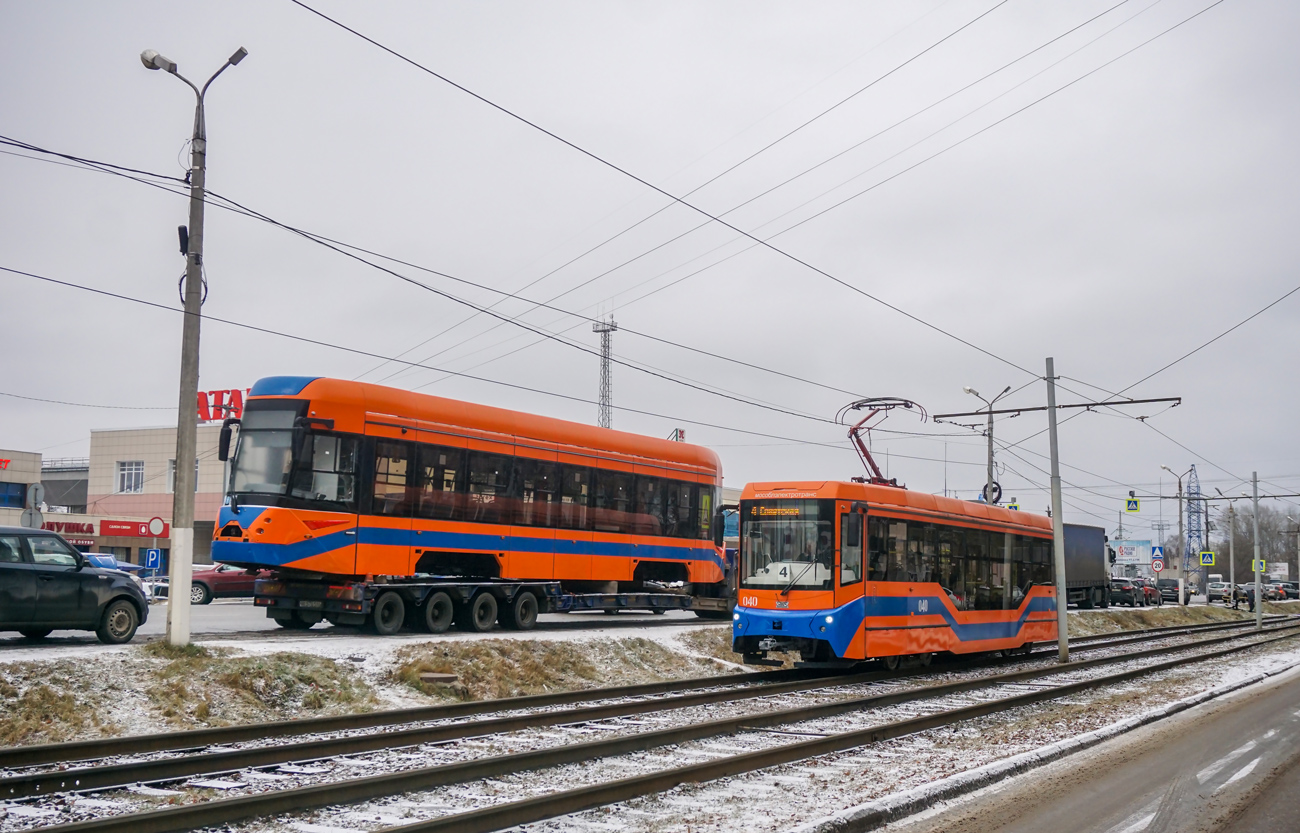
[[388, 615], [522, 614], [438, 613], [479, 615]]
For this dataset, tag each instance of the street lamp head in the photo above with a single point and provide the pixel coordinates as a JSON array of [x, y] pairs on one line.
[[152, 60], [971, 390], [240, 54], [1005, 391], [1166, 468]]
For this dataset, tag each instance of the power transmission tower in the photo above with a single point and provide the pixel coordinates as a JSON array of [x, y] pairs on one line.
[[1196, 540], [605, 419]]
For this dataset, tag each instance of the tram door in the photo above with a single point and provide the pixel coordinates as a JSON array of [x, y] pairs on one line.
[[849, 570]]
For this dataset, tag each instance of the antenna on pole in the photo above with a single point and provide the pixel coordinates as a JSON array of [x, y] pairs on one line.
[[605, 418]]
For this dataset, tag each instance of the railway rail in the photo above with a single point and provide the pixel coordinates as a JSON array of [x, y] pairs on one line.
[[76, 751], [349, 791]]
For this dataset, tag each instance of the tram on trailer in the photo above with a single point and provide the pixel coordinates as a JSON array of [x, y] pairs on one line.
[[848, 571], [351, 485]]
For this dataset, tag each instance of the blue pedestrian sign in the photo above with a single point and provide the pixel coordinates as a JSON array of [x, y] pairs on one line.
[[1157, 553], [1132, 505], [1207, 559], [1014, 507], [152, 559]]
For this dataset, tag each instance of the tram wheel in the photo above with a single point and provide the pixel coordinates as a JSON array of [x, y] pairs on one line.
[[891, 663]]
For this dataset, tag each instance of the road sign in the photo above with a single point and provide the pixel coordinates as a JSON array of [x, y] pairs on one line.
[[32, 518], [1157, 564], [152, 559], [1207, 559], [157, 526], [1132, 505], [1157, 552], [1014, 507], [36, 495], [1257, 566], [997, 492]]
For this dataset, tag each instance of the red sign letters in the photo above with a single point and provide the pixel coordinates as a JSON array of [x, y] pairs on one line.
[[219, 404]]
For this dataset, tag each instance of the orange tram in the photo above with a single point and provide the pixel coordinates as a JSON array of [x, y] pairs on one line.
[[353, 492], [853, 571]]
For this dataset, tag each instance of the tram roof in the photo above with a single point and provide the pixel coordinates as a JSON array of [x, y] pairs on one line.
[[350, 402], [893, 496]]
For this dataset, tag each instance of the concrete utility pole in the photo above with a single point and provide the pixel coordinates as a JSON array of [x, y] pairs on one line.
[[1259, 598], [605, 416], [1182, 543], [181, 560], [1058, 521], [988, 483]]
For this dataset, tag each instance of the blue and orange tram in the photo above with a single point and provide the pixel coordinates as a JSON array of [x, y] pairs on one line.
[[855, 571]]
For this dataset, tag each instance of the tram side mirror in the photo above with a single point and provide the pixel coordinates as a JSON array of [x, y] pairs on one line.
[[223, 441], [719, 528]]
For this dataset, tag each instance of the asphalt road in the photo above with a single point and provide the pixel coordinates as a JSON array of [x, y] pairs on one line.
[[1232, 765], [237, 618]]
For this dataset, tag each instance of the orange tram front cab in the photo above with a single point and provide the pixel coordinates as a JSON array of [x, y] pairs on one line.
[[852, 571]]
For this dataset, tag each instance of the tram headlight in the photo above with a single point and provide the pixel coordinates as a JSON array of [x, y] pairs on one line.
[[735, 617], [830, 619]]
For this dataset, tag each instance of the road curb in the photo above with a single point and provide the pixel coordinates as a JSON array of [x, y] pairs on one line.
[[875, 814]]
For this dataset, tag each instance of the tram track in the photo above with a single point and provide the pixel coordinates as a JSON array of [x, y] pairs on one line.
[[699, 692], [353, 790]]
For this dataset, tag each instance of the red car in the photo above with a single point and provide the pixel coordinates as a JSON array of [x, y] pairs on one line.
[[1150, 593], [221, 581]]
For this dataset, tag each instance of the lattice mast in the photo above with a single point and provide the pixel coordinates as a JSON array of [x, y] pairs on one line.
[[605, 417], [1196, 540]]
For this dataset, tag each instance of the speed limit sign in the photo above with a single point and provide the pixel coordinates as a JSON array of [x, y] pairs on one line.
[[1157, 565]]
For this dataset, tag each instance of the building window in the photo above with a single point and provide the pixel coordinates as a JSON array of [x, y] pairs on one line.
[[12, 495], [171, 476], [130, 477]]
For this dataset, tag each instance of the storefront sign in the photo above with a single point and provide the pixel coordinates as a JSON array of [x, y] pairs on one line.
[[81, 542], [134, 529], [216, 405], [4, 464], [65, 528]]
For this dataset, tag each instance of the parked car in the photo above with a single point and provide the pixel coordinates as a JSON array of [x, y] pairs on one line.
[[1123, 591], [1169, 591], [1220, 591], [46, 585], [1274, 591], [219, 581], [1150, 594], [1291, 588]]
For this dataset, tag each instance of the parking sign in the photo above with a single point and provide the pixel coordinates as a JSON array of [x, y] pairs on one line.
[[152, 559]]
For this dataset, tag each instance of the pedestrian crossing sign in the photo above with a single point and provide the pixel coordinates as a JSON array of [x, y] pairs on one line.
[[1132, 505], [1257, 566], [1207, 559], [1157, 552], [1014, 507]]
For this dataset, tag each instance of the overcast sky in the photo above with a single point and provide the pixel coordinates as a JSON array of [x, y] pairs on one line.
[[1114, 225]]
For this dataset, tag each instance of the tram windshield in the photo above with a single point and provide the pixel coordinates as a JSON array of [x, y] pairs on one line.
[[787, 544]]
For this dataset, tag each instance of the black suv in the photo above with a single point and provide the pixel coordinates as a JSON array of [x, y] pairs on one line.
[[1122, 591], [46, 585]]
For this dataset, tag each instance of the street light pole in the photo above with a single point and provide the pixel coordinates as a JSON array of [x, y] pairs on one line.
[[181, 560], [988, 483]]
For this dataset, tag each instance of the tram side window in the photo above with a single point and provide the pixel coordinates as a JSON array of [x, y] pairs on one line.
[[612, 509], [679, 514], [649, 518], [705, 525], [489, 488], [850, 548], [951, 545], [538, 492], [877, 548], [392, 481], [896, 552], [439, 470], [575, 492], [921, 551], [326, 469]]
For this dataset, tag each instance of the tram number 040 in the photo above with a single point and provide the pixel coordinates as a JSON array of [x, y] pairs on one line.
[[749, 601]]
